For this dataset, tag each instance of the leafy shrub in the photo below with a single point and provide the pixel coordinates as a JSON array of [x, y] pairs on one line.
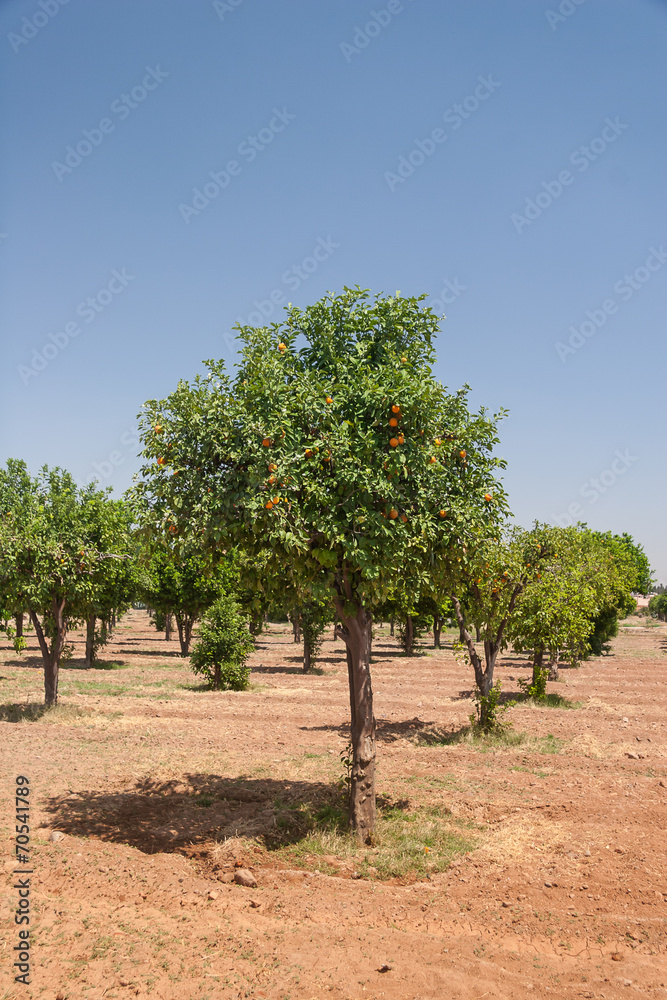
[[658, 606], [223, 647], [314, 617]]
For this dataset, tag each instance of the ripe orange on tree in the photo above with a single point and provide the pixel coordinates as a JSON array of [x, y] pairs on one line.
[[401, 439], [266, 442], [488, 497], [393, 442], [442, 513], [282, 347], [395, 408], [404, 518], [393, 513], [309, 452], [329, 399], [462, 454], [161, 460], [393, 422], [433, 460], [268, 505]]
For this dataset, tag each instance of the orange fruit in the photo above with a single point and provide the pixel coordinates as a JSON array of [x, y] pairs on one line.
[[266, 442], [173, 529], [271, 479], [462, 454], [487, 497], [442, 513], [159, 428], [393, 514], [393, 442], [282, 347], [404, 360], [404, 518], [275, 500], [437, 441], [393, 422], [175, 472], [401, 439], [395, 408], [329, 399], [309, 452], [272, 467], [161, 460], [433, 460], [268, 505]]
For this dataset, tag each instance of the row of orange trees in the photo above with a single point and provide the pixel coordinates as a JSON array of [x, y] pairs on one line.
[[340, 472]]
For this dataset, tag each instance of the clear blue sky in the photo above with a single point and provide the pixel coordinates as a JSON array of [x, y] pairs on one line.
[[337, 100]]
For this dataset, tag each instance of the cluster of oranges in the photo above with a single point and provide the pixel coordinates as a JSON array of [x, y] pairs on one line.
[[396, 438]]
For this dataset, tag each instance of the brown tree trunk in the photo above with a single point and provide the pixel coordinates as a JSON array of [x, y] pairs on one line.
[[437, 629], [112, 623], [477, 635], [296, 625], [90, 641], [217, 676], [306, 653], [18, 621], [391, 626], [167, 628], [104, 635], [51, 656], [409, 635], [538, 658], [184, 624], [356, 632]]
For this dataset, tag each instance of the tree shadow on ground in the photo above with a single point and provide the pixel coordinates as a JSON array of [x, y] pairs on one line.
[[156, 652], [172, 816], [385, 731], [22, 712], [34, 662], [262, 669], [97, 665]]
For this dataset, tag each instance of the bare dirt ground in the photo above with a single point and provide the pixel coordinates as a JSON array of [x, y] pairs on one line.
[[553, 881]]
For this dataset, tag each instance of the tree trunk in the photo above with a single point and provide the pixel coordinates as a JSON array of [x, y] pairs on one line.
[[184, 624], [167, 628], [554, 672], [90, 641], [51, 656], [391, 626], [356, 632], [112, 623], [306, 653], [18, 621], [437, 629], [538, 657], [104, 635], [409, 635], [335, 626], [296, 625], [477, 635], [217, 676]]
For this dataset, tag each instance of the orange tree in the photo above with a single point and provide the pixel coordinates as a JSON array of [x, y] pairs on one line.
[[59, 544], [489, 576], [335, 457]]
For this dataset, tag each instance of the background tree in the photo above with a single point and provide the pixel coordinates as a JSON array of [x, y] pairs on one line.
[[184, 583], [223, 646], [336, 455], [492, 574], [54, 541]]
